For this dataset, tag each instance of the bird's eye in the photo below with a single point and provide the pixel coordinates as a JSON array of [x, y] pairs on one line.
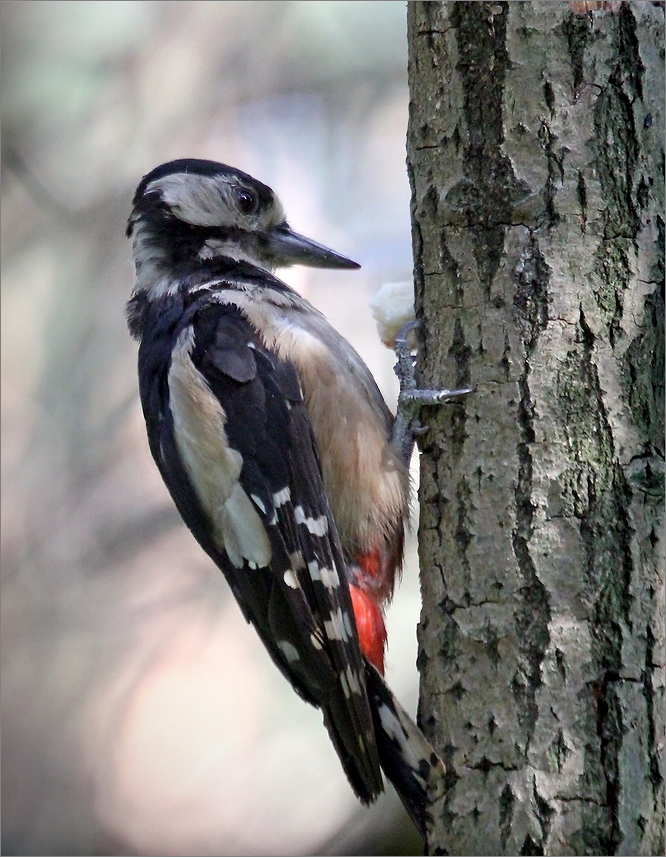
[[246, 201]]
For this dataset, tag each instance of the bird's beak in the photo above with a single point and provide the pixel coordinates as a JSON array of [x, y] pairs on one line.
[[290, 248]]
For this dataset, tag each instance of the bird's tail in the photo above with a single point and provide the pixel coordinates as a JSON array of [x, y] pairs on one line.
[[406, 757]]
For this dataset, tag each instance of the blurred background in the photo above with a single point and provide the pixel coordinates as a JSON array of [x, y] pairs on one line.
[[140, 714]]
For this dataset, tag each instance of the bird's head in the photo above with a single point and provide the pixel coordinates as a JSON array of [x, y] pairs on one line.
[[188, 211]]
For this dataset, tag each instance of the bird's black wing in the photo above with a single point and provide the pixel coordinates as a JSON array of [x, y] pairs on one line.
[[236, 450]]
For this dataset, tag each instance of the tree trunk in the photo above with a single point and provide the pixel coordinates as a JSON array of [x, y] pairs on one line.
[[535, 152]]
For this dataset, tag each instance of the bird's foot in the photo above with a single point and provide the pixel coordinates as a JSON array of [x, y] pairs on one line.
[[411, 399]]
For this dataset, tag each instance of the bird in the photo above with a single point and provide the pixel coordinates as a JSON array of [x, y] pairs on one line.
[[277, 449]]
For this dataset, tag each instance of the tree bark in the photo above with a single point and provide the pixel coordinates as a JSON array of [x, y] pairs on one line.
[[535, 152]]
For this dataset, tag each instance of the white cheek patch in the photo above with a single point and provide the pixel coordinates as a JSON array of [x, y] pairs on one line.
[[198, 200], [212, 248], [210, 201]]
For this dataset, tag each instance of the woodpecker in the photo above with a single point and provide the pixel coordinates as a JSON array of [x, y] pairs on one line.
[[276, 446]]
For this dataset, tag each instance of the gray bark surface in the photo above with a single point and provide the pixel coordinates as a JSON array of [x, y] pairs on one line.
[[535, 152]]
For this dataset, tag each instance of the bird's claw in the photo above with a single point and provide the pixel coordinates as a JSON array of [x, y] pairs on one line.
[[410, 400]]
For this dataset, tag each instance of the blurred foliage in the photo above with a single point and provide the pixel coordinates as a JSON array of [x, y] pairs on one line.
[[140, 714]]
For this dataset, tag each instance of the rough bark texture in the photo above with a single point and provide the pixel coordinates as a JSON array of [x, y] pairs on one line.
[[535, 152]]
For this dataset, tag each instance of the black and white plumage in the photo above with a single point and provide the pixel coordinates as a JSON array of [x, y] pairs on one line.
[[275, 445]]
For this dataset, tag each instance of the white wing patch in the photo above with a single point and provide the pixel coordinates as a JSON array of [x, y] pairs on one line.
[[350, 682], [338, 627], [353, 680], [281, 497], [289, 651], [242, 531], [258, 502], [316, 526], [328, 576], [211, 464]]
